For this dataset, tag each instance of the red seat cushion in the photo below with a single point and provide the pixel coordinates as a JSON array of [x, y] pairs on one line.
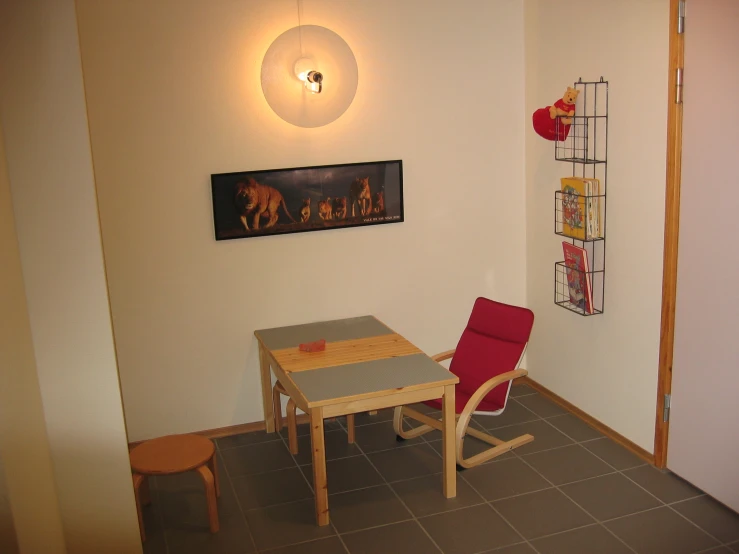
[[491, 344], [460, 401]]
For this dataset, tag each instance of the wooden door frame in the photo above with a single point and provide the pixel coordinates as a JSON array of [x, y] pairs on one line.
[[672, 227]]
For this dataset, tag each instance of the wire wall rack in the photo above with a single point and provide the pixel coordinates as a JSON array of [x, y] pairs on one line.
[[580, 215]]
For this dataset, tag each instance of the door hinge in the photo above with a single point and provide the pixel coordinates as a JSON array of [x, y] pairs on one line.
[[666, 408], [679, 85], [681, 17]]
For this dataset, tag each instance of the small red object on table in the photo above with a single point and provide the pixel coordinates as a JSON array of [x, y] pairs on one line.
[[315, 346]]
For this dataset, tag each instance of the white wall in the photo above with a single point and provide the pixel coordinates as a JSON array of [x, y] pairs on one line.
[[174, 95], [42, 107], [606, 364], [28, 498], [706, 353]]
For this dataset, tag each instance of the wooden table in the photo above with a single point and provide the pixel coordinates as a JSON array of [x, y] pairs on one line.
[[365, 366]]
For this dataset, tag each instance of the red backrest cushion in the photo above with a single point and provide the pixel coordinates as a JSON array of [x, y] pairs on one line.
[[491, 344]]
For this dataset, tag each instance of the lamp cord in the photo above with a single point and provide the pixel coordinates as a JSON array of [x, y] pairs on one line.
[[300, 31]]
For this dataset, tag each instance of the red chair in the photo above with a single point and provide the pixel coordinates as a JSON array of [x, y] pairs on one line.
[[486, 361]]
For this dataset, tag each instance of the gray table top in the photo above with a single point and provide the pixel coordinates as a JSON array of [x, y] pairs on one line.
[[360, 379], [366, 378], [277, 338]]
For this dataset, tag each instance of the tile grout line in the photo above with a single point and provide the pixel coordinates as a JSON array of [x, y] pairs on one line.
[[458, 475], [622, 472], [413, 516], [687, 499], [309, 463], [482, 428], [501, 548], [278, 437], [238, 502], [161, 516], [575, 442], [669, 505], [720, 543], [310, 485], [598, 522]]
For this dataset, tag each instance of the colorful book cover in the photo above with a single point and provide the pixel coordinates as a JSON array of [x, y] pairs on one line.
[[592, 191], [573, 207], [578, 278]]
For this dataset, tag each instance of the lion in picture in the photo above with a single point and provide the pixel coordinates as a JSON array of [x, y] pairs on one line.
[[258, 200]]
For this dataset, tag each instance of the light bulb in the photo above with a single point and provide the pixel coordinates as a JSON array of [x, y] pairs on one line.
[[305, 70], [302, 67], [314, 81]]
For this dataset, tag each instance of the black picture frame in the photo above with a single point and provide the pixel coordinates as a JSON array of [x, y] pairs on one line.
[[248, 204]]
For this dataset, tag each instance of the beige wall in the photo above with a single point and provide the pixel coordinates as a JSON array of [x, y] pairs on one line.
[[42, 107], [605, 364], [174, 95], [8, 537], [27, 488]]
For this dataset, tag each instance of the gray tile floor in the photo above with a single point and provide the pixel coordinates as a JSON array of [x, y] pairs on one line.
[[571, 491]]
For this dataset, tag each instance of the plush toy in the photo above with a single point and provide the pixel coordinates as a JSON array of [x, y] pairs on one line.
[[546, 123]]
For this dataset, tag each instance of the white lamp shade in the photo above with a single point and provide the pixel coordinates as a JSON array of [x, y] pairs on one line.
[[288, 96]]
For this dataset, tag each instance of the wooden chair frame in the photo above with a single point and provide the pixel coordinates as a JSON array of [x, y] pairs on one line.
[[463, 420]]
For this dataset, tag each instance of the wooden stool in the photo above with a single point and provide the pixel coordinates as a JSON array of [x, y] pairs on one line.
[[175, 454]]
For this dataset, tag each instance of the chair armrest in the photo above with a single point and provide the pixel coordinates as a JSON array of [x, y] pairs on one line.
[[443, 355], [486, 387]]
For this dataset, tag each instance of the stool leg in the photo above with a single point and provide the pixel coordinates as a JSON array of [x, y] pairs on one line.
[[138, 479], [145, 492], [350, 427], [210, 495], [278, 408], [292, 427], [213, 466]]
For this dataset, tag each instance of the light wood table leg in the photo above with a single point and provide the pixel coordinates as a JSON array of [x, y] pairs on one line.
[[448, 441], [350, 427], [319, 465], [269, 421], [210, 495]]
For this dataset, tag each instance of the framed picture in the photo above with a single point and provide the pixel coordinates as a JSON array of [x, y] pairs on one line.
[[300, 199]]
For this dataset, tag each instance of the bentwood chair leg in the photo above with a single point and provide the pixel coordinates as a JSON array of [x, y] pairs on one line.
[[210, 494], [292, 427], [277, 408], [138, 480]]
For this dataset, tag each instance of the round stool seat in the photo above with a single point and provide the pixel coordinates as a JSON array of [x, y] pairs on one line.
[[171, 454]]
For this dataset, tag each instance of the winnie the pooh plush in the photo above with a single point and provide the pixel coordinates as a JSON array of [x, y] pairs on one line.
[[546, 122]]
